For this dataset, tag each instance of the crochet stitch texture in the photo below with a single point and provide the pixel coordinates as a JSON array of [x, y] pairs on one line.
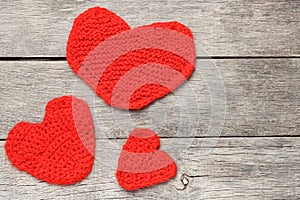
[[141, 164], [98, 35], [59, 150]]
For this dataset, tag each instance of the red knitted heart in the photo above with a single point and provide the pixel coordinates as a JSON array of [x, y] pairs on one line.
[[140, 164], [60, 150], [129, 68]]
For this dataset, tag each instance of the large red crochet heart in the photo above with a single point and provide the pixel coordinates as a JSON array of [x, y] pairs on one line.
[[129, 68], [141, 164], [60, 150]]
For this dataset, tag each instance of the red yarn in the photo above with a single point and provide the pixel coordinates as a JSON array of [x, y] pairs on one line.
[[60, 150], [98, 25], [141, 164]]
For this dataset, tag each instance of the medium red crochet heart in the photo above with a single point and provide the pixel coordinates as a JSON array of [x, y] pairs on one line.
[[141, 164], [129, 68], [60, 150]]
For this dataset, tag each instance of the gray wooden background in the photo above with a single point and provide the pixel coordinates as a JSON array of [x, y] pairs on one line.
[[253, 47]]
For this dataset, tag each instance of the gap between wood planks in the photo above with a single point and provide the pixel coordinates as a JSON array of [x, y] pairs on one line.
[[209, 137], [40, 58]]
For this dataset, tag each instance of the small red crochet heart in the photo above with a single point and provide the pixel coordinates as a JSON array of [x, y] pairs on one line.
[[129, 68], [60, 150], [141, 164]]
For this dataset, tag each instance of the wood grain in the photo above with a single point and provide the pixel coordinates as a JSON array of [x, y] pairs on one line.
[[261, 99], [245, 113], [234, 168], [221, 28]]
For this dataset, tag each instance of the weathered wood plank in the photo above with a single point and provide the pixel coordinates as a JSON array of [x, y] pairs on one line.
[[221, 28], [262, 99], [236, 168]]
